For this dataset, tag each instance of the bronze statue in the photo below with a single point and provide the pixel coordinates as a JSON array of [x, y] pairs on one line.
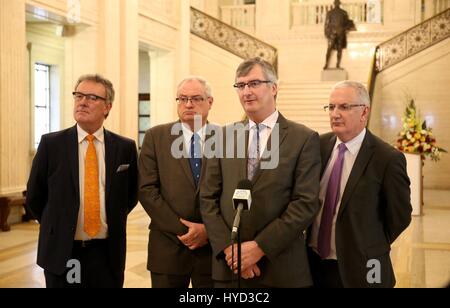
[[337, 24]]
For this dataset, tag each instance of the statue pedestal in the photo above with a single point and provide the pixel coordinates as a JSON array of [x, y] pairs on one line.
[[334, 74]]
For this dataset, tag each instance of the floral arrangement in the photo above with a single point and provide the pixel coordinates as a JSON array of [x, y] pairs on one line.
[[416, 137]]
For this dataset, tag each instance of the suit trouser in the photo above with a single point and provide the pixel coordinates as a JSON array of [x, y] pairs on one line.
[[244, 283], [325, 273], [181, 281], [95, 268]]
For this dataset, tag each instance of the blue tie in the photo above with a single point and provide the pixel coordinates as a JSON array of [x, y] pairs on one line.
[[195, 158]]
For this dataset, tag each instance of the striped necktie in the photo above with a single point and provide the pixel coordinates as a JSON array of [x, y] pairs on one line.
[[253, 153]]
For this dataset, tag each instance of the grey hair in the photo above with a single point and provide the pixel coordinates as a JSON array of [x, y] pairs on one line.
[[110, 93], [200, 79], [267, 68], [360, 89]]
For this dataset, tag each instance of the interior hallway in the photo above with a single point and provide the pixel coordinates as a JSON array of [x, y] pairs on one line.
[[421, 255]]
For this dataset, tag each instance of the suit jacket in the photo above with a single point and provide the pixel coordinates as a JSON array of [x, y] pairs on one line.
[[375, 209], [54, 199], [167, 192], [284, 203]]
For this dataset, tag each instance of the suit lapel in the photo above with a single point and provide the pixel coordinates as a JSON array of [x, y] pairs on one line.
[[283, 130], [72, 147], [203, 171], [363, 158], [326, 153], [242, 138], [239, 155], [184, 162], [110, 161]]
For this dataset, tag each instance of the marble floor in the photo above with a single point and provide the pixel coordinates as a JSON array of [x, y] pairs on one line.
[[421, 255]]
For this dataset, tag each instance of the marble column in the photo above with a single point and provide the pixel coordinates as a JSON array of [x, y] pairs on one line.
[[14, 100], [129, 66]]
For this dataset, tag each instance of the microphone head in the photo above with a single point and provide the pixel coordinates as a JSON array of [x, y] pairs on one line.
[[244, 184], [243, 195]]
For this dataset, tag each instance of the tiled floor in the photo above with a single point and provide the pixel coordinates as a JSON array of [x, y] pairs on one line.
[[421, 255]]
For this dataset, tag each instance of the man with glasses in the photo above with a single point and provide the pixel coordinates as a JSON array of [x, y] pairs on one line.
[[365, 197], [170, 174], [284, 198], [82, 185]]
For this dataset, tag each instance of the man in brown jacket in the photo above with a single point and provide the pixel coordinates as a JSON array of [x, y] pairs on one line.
[[171, 167]]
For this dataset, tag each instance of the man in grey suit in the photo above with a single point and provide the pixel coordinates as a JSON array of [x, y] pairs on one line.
[[178, 249], [365, 194], [285, 197]]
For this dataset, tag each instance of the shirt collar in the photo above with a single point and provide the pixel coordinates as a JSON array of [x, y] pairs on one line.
[[188, 133], [99, 134], [353, 145], [270, 121]]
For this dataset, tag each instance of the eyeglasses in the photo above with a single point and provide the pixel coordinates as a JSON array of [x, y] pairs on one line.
[[253, 84], [341, 107], [78, 97], [195, 100]]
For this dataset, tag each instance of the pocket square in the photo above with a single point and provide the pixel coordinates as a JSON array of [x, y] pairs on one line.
[[123, 168]]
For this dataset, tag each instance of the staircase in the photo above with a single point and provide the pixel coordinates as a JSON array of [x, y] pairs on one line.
[[303, 103], [230, 38]]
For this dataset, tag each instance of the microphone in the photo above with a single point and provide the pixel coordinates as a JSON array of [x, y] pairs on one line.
[[242, 199]]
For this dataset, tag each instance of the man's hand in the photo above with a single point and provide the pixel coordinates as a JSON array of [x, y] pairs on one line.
[[227, 251], [250, 255], [251, 272], [196, 236]]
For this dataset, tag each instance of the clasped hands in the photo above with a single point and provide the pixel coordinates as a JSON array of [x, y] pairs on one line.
[[250, 255]]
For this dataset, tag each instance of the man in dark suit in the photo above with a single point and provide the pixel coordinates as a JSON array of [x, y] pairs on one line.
[[365, 196], [82, 185], [171, 167], [285, 194]]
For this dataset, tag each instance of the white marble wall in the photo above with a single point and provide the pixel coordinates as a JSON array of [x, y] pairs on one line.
[[218, 67], [425, 78], [112, 32], [106, 41]]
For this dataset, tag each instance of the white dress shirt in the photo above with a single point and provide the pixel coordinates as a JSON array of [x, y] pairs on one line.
[[99, 143], [264, 131], [187, 135], [353, 147]]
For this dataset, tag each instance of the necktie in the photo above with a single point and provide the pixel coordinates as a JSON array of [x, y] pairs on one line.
[[331, 200], [91, 191], [195, 158], [253, 154]]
